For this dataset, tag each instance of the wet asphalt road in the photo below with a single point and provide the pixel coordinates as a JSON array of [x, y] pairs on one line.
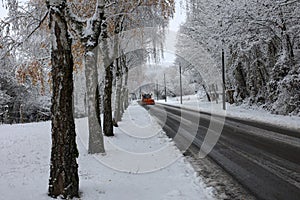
[[265, 159]]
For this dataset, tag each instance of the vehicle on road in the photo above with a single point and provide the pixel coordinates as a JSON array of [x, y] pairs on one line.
[[147, 99]]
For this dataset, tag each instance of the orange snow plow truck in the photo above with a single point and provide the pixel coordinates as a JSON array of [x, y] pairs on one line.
[[147, 100]]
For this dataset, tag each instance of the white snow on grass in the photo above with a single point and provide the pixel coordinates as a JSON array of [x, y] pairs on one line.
[[140, 163], [242, 112], [24, 161]]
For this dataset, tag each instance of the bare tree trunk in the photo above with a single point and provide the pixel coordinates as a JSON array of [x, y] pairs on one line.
[[286, 40], [118, 92], [206, 92], [125, 87], [107, 119], [96, 144], [122, 102], [91, 41], [63, 179], [108, 65], [126, 101]]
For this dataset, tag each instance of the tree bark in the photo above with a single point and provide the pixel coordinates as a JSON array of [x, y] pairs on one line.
[[206, 92], [107, 121], [125, 100], [108, 65], [118, 92], [91, 41], [63, 179], [96, 143], [286, 40]]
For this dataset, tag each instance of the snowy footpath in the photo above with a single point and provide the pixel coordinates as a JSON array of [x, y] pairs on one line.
[[140, 163]]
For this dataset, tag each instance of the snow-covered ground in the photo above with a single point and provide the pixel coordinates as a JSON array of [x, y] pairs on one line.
[[244, 112], [140, 163]]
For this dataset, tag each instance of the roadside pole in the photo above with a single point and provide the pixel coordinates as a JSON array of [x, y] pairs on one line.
[[156, 90], [165, 87], [223, 80], [180, 83]]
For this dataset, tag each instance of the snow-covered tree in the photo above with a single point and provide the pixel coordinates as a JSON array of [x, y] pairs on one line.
[[261, 44], [22, 58]]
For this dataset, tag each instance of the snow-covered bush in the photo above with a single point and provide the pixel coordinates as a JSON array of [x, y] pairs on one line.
[[285, 94]]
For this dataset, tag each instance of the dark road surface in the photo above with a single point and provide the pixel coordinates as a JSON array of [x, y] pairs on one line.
[[264, 159]]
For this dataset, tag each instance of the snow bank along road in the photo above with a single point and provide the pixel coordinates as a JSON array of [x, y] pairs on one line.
[[263, 158]]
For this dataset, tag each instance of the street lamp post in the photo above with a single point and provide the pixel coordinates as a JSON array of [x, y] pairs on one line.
[[165, 87], [223, 71], [157, 90], [223, 80], [180, 81]]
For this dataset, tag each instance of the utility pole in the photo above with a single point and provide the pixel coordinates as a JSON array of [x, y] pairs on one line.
[[223, 80], [165, 87], [180, 83], [156, 90], [140, 95]]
